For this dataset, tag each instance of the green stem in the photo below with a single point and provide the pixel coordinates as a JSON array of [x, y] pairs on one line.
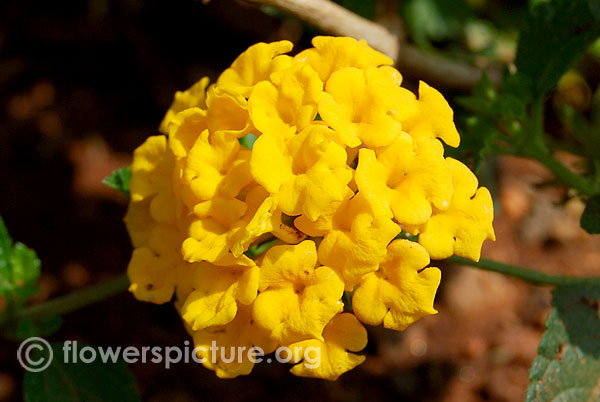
[[536, 148], [76, 300], [534, 277], [537, 116], [564, 174], [82, 298]]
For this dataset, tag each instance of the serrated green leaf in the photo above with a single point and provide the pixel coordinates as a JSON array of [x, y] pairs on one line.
[[554, 37], [119, 180], [508, 104], [519, 85], [19, 271], [590, 218], [568, 365], [477, 137], [482, 99], [76, 382]]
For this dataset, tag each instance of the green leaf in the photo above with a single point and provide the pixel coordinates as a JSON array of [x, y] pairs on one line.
[[582, 130], [27, 328], [25, 265], [76, 382], [21, 295], [568, 365], [5, 250], [594, 49], [248, 140], [360, 7], [19, 271], [347, 300], [258, 249], [435, 20], [483, 97], [512, 102], [509, 104], [119, 180], [477, 137], [408, 236], [556, 34], [590, 219]]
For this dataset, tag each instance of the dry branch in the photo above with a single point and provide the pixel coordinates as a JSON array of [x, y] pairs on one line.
[[335, 19]]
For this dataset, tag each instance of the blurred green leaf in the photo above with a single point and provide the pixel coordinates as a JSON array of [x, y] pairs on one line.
[[595, 112], [365, 8], [554, 37], [478, 132], [482, 98], [5, 250], [510, 103], [435, 20], [27, 328], [594, 49], [76, 382], [25, 265], [583, 131], [590, 219], [517, 87], [568, 365], [119, 180], [477, 137]]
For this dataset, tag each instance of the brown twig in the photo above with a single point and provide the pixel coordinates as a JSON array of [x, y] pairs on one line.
[[441, 71], [333, 18]]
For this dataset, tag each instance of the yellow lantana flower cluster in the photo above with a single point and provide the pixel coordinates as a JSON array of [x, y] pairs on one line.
[[344, 159]]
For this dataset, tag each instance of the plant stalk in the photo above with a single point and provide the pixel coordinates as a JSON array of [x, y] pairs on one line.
[[527, 275], [96, 293], [76, 300]]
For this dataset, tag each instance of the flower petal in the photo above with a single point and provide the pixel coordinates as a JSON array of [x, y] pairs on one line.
[[358, 239], [225, 348], [216, 293], [254, 65], [296, 300], [466, 224], [407, 176], [334, 53], [401, 291], [288, 104], [435, 118], [195, 96], [332, 357]]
